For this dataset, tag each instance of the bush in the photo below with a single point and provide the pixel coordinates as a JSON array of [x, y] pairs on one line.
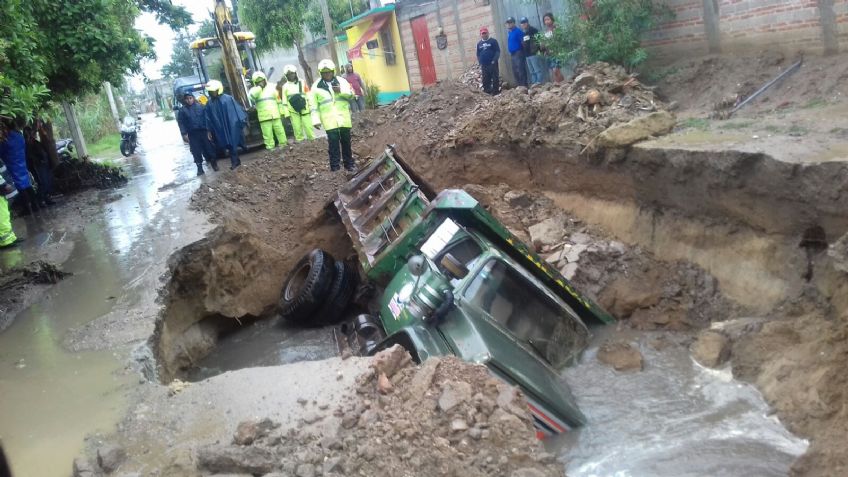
[[372, 92], [606, 30]]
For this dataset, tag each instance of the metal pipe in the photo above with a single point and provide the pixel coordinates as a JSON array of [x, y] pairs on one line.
[[767, 86]]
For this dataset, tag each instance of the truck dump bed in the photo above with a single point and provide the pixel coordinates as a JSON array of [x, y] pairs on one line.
[[386, 215]]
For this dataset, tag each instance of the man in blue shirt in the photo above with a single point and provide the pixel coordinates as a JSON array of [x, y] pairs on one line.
[[13, 153], [192, 121], [488, 53], [516, 51]]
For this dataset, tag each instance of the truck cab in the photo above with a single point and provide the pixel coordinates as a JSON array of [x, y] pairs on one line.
[[454, 280]]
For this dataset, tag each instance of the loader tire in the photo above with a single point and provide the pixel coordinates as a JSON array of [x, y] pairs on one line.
[[341, 292], [307, 286]]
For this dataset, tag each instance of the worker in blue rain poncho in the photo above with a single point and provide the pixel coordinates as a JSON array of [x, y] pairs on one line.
[[224, 120]]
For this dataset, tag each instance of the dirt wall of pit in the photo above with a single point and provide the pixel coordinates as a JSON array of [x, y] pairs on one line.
[[742, 217]]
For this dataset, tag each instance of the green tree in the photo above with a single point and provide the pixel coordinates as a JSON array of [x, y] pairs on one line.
[[606, 30], [340, 11], [182, 60], [167, 13], [277, 23], [207, 29]]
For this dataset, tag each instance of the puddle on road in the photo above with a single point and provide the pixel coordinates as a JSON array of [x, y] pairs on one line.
[[266, 343], [674, 418], [51, 398]]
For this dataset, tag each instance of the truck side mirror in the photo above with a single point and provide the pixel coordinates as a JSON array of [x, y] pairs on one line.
[[454, 266], [417, 265]]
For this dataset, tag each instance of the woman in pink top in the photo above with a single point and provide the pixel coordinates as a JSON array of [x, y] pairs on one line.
[[358, 102]]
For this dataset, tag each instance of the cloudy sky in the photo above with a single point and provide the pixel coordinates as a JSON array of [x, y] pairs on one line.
[[164, 36]]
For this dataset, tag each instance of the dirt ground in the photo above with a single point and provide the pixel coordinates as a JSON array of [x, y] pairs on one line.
[[677, 233]]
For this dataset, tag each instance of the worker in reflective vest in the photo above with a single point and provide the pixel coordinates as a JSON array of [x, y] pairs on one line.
[[295, 104], [267, 104], [331, 109]]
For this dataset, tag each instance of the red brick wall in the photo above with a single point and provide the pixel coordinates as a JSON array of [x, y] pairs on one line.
[[747, 25], [449, 62]]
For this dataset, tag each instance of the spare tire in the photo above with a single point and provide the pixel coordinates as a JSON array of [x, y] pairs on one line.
[[341, 292], [307, 286]]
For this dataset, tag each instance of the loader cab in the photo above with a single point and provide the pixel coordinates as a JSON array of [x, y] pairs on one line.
[[203, 48]]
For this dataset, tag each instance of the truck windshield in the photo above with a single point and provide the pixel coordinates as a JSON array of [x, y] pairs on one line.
[[522, 308]]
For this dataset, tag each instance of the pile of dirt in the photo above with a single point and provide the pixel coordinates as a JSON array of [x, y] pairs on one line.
[[277, 196], [473, 77], [17, 283], [600, 97], [797, 360], [75, 175], [446, 417]]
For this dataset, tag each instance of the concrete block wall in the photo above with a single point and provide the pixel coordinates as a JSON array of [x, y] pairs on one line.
[[460, 20], [703, 26]]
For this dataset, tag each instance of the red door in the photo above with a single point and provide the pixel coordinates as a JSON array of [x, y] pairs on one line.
[[422, 49]]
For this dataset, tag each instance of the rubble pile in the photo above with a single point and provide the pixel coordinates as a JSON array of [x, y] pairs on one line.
[[76, 175], [601, 96], [473, 77], [425, 115], [446, 417]]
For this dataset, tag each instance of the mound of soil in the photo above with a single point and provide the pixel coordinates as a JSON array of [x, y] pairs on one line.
[[601, 96], [76, 175], [446, 417], [17, 285]]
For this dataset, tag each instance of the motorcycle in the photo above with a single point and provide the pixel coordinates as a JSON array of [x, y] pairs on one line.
[[65, 149], [129, 136]]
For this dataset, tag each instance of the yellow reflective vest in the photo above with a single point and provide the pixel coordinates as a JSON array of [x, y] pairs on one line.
[[267, 102], [290, 89], [332, 110]]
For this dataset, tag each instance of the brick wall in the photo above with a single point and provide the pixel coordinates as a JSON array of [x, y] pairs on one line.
[[462, 35], [747, 25]]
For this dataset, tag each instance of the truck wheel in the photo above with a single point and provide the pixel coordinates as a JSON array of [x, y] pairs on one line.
[[307, 286], [344, 284]]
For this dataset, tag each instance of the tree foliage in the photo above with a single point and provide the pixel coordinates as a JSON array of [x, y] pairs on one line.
[[182, 60], [339, 12], [277, 23], [606, 30], [61, 49], [206, 29]]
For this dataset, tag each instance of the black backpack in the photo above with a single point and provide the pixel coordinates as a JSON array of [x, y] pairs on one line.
[[297, 101]]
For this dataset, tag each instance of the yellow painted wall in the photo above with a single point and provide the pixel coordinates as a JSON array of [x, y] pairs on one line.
[[390, 78]]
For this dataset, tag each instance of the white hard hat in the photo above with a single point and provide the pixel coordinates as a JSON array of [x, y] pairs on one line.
[[215, 85], [326, 65], [258, 76], [289, 69]]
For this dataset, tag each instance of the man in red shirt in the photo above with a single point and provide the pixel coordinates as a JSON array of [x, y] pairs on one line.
[[358, 102]]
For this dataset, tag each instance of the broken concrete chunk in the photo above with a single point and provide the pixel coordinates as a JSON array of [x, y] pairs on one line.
[[580, 238], [249, 431], [110, 457], [236, 459], [548, 232], [635, 130], [569, 270], [384, 386], [712, 349], [305, 470], [454, 393], [620, 356], [392, 360], [573, 253]]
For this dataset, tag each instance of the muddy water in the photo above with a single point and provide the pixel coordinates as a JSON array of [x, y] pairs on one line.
[[50, 397], [266, 343], [674, 418]]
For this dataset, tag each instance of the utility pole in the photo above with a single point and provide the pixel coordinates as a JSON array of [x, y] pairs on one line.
[[328, 26], [108, 87], [76, 132]]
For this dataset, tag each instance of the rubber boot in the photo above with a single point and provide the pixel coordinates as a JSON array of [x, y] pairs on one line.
[[200, 170]]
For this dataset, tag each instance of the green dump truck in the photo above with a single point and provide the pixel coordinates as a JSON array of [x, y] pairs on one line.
[[446, 278]]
